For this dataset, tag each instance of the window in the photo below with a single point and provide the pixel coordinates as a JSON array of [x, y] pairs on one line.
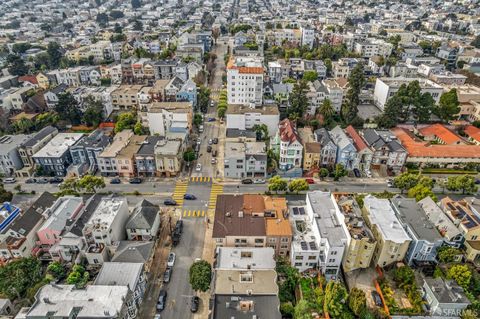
[[312, 257], [332, 260], [246, 277], [298, 264], [300, 257], [258, 241], [285, 239]]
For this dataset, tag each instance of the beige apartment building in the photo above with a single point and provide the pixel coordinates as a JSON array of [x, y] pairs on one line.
[[392, 239], [126, 97], [126, 157], [168, 157], [107, 160]]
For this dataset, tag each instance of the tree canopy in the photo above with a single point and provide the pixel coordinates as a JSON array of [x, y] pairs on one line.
[[200, 275], [448, 106], [18, 275], [68, 109], [356, 82]]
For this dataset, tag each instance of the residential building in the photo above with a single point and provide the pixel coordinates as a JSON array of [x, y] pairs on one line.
[[288, 145], [392, 239], [107, 161], [168, 157], [328, 155], [245, 117], [343, 67], [364, 153], [164, 117], [126, 156], [448, 78], [54, 157], [387, 149], [125, 97], [360, 240], [10, 160], [134, 252], [373, 47], [84, 153], [145, 157], [245, 81], [245, 159], [426, 240], [385, 88], [187, 93], [473, 134], [51, 96], [144, 222], [448, 54], [445, 298], [346, 151]]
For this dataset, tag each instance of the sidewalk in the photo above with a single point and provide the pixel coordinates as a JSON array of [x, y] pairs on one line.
[[208, 255]]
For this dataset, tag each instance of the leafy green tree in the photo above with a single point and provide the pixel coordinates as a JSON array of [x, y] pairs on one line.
[[357, 301], [323, 172], [327, 110], [203, 99], [356, 82], [476, 42], [125, 121], [197, 119], [221, 112], [116, 14], [405, 181], [69, 187], [461, 274], [91, 183], [138, 25], [404, 276], [138, 129], [261, 131], [302, 310], [5, 196], [447, 254], [56, 269], [102, 19], [78, 276], [298, 185], [464, 183], [200, 275], [468, 314], [310, 76], [287, 309], [67, 108], [23, 126], [298, 99], [189, 155], [16, 65], [276, 183], [54, 55], [117, 28], [340, 171], [136, 4], [93, 114], [21, 47], [448, 106], [287, 286], [328, 65], [420, 192], [18, 275], [335, 299]]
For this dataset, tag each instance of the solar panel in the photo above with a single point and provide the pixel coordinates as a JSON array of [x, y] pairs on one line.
[[312, 245], [295, 211], [301, 210]]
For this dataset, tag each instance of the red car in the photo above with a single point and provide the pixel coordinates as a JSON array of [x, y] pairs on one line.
[[310, 180]]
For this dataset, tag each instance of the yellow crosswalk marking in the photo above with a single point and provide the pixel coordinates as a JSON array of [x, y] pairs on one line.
[[203, 213], [184, 213]]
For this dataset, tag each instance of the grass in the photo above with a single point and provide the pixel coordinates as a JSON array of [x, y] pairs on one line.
[[306, 287], [443, 171]]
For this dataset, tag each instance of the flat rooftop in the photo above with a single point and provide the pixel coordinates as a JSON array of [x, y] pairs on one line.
[[106, 210], [244, 109], [58, 145]]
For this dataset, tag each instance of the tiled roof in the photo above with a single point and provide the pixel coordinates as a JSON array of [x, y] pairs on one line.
[[287, 131], [473, 132], [357, 139], [442, 133]]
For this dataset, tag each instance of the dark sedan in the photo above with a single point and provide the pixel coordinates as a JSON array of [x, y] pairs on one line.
[[169, 202], [135, 180]]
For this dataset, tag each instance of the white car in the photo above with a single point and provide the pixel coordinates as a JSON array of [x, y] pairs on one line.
[[259, 181], [10, 180], [171, 260], [213, 161], [157, 316], [199, 167]]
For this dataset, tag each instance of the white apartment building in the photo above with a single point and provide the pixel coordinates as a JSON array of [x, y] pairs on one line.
[[308, 37], [245, 80], [243, 117], [385, 88], [288, 145], [162, 117], [373, 47]]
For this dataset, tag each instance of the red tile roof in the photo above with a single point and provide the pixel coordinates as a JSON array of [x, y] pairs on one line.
[[418, 148], [28, 78], [357, 139], [287, 131], [442, 133], [473, 132]]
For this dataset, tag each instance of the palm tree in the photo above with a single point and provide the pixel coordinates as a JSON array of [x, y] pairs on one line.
[[326, 109]]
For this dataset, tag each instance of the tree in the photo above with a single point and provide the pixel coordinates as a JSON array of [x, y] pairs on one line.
[[91, 183], [56, 269], [327, 110], [93, 114], [102, 19], [16, 65], [310, 76], [447, 254], [468, 314], [276, 183], [323, 172], [215, 34], [55, 55], [420, 192], [302, 310], [448, 106], [200, 275], [67, 108], [189, 155], [78, 276], [405, 181], [356, 82], [18, 275], [138, 129], [298, 185], [197, 119], [5, 196], [461, 274], [287, 309], [203, 99], [328, 65], [125, 121], [476, 42], [138, 25], [136, 4], [261, 132], [404, 276], [335, 299], [117, 28], [357, 301], [340, 171], [69, 187], [465, 183], [298, 99], [116, 14]]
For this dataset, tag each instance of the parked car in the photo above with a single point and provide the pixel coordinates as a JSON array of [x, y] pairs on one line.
[[135, 180], [212, 104], [167, 275], [200, 128], [259, 181], [55, 180], [162, 300], [213, 161], [9, 180], [368, 173], [210, 142], [42, 180], [198, 168], [169, 202], [157, 316], [209, 149], [390, 183], [115, 180], [215, 140], [211, 119], [171, 260], [199, 141], [310, 180], [30, 181], [189, 197], [377, 299], [194, 304], [179, 226], [247, 181], [356, 172]]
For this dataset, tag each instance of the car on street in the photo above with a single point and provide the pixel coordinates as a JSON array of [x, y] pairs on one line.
[[199, 141], [30, 180], [214, 153], [200, 128], [171, 260], [213, 161], [115, 180], [212, 104], [42, 180], [477, 181], [211, 119], [194, 304], [356, 172], [162, 300], [247, 181], [189, 197], [368, 173], [179, 226], [167, 275], [157, 316], [9, 180], [55, 180], [209, 149], [169, 202], [259, 181], [376, 298], [198, 168], [390, 183], [215, 140], [210, 142], [135, 180], [310, 180]]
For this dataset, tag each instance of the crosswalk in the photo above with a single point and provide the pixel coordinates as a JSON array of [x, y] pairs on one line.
[[179, 192], [216, 189], [193, 213], [200, 179]]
